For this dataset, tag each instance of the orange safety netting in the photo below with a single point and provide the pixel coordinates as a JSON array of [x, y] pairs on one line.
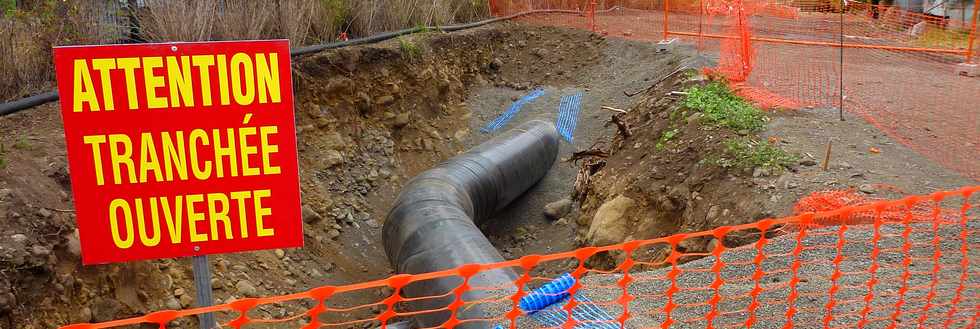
[[893, 67], [833, 200], [910, 262]]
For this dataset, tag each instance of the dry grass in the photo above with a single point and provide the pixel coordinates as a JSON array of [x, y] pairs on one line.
[[28, 33], [178, 20], [373, 16], [303, 22], [24, 62]]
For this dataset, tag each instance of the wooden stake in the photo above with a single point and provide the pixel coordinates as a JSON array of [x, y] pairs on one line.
[[826, 157], [610, 108]]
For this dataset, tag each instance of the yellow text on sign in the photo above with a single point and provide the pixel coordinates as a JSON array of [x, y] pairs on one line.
[[182, 155], [160, 82], [200, 217]]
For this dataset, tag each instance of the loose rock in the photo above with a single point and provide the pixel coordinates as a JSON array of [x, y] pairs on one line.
[[310, 216], [18, 238], [867, 189], [402, 119], [557, 209], [172, 304], [246, 288], [386, 100], [609, 223], [186, 300], [332, 158]]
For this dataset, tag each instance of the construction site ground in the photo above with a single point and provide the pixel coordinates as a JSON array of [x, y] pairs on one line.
[[371, 117]]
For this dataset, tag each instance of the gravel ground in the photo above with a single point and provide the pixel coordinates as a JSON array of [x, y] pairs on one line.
[[695, 280]]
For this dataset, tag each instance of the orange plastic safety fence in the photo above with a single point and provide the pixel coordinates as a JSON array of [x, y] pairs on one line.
[[898, 71], [910, 262]]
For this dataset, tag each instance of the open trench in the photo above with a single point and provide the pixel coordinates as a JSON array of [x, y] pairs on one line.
[[369, 118], [412, 125], [675, 190]]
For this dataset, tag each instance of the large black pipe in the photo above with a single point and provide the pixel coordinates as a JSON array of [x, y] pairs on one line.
[[433, 225]]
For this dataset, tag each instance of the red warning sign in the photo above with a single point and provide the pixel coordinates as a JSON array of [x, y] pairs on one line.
[[180, 149]]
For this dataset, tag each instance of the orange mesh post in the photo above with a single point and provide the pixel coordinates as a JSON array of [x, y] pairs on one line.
[[835, 277], [937, 253], [592, 5], [757, 275], [492, 4], [964, 261], [794, 281], [973, 32], [873, 268], [700, 26]]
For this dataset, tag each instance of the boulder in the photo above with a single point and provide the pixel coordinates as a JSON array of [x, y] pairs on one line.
[[557, 209], [610, 222]]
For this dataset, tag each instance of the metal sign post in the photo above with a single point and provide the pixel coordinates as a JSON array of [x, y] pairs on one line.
[[202, 284]]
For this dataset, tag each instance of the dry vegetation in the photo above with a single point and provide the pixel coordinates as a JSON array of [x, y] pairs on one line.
[[29, 30], [28, 33]]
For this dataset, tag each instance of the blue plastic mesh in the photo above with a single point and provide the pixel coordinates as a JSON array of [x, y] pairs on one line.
[[544, 306], [586, 314], [568, 115], [503, 118]]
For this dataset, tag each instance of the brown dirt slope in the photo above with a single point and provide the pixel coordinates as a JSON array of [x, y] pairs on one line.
[[368, 117]]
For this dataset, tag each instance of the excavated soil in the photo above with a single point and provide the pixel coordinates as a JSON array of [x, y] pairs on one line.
[[676, 188], [370, 117]]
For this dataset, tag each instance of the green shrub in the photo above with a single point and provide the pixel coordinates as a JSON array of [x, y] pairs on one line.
[[22, 144], [666, 137], [723, 108], [7, 7], [750, 153], [409, 48]]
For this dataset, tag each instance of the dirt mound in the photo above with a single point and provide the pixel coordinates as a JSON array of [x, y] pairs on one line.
[[368, 117], [684, 162], [659, 178]]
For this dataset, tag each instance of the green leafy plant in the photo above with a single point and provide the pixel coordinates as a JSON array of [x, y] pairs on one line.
[[666, 137], [723, 108], [7, 7], [422, 28], [751, 153], [409, 48], [22, 144]]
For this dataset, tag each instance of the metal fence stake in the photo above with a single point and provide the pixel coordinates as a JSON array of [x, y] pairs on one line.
[[202, 284]]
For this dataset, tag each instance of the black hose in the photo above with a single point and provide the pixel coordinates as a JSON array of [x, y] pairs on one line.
[[27, 102], [394, 34], [433, 224], [51, 96]]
